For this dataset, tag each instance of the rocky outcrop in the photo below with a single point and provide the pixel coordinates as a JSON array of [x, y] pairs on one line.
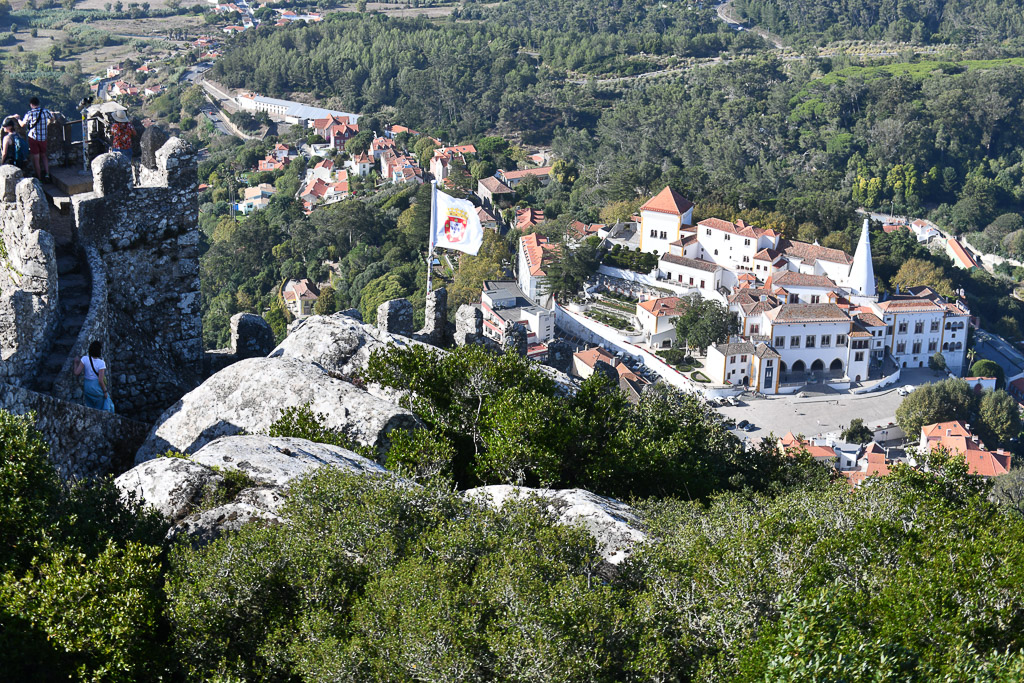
[[338, 343], [179, 488], [207, 526], [395, 317], [250, 396], [174, 487], [276, 461], [613, 524]]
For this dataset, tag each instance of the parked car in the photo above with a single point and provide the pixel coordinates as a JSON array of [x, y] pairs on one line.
[[749, 428], [904, 391], [742, 424]]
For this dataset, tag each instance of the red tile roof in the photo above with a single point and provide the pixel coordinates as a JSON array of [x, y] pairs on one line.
[[737, 228], [793, 279], [538, 253], [591, 356], [809, 253], [668, 201], [908, 305], [670, 305], [806, 313], [957, 439], [539, 172], [696, 264], [495, 186], [528, 217], [960, 254]]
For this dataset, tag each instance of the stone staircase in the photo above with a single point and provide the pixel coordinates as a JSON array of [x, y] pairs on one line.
[[74, 289]]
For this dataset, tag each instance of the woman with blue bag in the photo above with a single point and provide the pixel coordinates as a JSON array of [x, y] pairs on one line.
[[96, 394]]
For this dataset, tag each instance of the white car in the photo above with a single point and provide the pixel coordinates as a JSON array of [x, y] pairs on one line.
[[903, 391]]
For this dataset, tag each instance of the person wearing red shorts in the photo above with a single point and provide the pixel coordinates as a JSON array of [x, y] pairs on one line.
[[36, 121]]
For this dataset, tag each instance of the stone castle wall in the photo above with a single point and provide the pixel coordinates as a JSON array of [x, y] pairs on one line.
[[146, 238], [28, 277], [83, 442]]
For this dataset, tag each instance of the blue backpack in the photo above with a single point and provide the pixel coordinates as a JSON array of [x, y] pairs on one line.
[[20, 149]]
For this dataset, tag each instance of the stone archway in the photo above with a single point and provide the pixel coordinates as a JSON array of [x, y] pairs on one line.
[[799, 366], [837, 364], [817, 365]]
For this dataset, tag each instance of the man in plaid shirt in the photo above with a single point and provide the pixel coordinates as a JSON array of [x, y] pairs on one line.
[[36, 121]]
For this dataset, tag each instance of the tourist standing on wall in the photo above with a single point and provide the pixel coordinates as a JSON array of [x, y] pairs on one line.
[[36, 122], [121, 134], [95, 376]]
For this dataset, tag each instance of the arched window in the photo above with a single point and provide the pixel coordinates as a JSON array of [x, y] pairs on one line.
[[945, 346]]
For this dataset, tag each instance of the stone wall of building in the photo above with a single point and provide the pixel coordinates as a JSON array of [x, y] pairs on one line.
[[29, 309], [147, 238], [83, 442]]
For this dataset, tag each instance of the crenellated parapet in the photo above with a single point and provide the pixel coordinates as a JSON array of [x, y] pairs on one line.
[[146, 234]]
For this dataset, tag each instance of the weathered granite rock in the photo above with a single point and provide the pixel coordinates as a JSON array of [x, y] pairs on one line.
[[250, 396], [276, 461], [338, 343], [251, 336], [395, 317], [209, 525], [435, 330], [174, 487], [600, 367], [559, 355], [29, 305], [469, 325], [515, 338], [151, 141], [612, 523]]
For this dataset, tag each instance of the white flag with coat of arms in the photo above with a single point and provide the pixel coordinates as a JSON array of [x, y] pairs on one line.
[[456, 224]]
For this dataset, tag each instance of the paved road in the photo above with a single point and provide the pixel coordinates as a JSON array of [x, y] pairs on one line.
[[994, 347], [822, 414], [211, 113]]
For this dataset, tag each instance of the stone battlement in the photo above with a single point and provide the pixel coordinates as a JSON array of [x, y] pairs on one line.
[[139, 244]]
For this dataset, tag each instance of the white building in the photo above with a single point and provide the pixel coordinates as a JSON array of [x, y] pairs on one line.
[[503, 302], [733, 245], [662, 219], [360, 165], [657, 320], [815, 338], [917, 327], [729, 363]]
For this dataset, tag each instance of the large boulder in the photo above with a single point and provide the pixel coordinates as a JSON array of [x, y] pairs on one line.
[[613, 524], [193, 494], [275, 461], [207, 526], [174, 487], [338, 343], [250, 396]]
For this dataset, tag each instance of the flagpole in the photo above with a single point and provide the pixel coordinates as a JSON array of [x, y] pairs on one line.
[[433, 226]]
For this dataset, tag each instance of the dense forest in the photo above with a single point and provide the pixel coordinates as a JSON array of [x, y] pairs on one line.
[[758, 566], [918, 21]]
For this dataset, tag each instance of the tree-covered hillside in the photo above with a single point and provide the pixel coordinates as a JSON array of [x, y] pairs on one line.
[[913, 577], [959, 22]]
